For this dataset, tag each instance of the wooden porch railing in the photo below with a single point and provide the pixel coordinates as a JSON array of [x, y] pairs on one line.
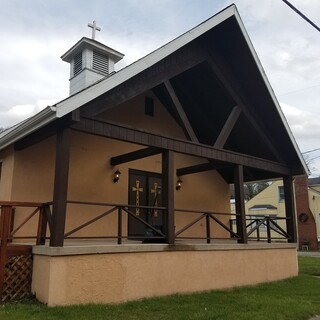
[[207, 217], [256, 226], [16, 259], [121, 210], [9, 235]]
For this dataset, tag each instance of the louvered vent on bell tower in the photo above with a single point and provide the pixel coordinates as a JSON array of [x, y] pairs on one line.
[[90, 61], [77, 67], [100, 62]]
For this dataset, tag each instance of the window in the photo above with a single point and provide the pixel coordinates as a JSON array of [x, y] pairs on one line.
[[281, 193], [149, 107]]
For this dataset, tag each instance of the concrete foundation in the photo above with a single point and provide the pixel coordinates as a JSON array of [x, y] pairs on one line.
[[112, 273]]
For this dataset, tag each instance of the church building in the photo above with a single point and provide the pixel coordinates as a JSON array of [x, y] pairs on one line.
[[121, 191]]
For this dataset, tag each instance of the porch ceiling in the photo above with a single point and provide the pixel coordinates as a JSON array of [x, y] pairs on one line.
[[217, 91]]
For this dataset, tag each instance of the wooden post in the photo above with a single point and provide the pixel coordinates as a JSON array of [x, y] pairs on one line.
[[168, 194], [60, 191], [119, 225], [290, 208], [208, 228], [258, 231], [268, 230], [240, 206], [5, 232], [42, 227]]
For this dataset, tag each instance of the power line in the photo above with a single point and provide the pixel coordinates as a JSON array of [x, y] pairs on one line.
[[301, 14], [311, 151], [314, 158], [298, 90]]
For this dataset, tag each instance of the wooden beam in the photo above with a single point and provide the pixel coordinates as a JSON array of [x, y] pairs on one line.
[[21, 204], [5, 222], [42, 227], [60, 191], [134, 155], [224, 75], [167, 68], [183, 117], [227, 128], [240, 204], [168, 194], [47, 131], [290, 208], [129, 134], [201, 168]]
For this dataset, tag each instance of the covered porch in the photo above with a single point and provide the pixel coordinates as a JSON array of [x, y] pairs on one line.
[[73, 264]]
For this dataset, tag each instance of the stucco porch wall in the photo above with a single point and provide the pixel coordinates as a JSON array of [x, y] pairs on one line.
[[110, 274]]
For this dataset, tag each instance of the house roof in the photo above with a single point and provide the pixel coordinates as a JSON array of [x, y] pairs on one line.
[[207, 97], [314, 181], [263, 207]]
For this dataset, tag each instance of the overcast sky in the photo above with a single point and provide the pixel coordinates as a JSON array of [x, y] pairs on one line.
[[35, 33]]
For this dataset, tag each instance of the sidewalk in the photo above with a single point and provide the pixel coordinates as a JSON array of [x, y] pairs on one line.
[[309, 254]]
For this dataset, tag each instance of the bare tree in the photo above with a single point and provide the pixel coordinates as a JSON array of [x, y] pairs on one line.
[[251, 189], [309, 162]]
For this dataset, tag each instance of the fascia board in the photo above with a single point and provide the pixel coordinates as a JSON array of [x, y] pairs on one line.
[[271, 92], [89, 43], [70, 104], [26, 127]]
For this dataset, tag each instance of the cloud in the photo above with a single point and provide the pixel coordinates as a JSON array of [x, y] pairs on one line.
[[19, 113], [22, 110], [41, 31], [305, 126]]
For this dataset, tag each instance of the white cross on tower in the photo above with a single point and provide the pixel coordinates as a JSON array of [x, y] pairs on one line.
[[94, 28]]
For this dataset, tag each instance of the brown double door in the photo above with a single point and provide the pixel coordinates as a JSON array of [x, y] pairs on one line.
[[144, 190]]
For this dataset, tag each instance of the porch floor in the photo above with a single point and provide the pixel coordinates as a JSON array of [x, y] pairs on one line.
[[78, 247]]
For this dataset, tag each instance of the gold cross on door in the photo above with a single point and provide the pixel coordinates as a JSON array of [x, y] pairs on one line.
[[155, 192], [137, 190]]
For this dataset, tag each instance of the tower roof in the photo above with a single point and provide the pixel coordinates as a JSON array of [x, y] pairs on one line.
[[90, 43]]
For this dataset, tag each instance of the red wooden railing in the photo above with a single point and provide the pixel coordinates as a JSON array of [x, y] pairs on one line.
[[16, 284]]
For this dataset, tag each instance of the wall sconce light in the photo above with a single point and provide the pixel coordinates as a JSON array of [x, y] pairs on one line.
[[179, 184], [116, 176]]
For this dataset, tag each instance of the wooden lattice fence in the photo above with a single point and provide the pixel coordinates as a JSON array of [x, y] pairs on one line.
[[16, 259], [17, 275]]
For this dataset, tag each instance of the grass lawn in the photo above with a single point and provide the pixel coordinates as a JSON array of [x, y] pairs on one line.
[[293, 299]]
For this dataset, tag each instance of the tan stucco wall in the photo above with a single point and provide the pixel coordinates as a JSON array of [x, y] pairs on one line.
[[91, 175], [30, 173], [132, 113], [34, 172], [7, 160], [91, 180], [118, 277]]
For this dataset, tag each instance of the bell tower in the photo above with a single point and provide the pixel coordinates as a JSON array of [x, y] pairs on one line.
[[90, 61]]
